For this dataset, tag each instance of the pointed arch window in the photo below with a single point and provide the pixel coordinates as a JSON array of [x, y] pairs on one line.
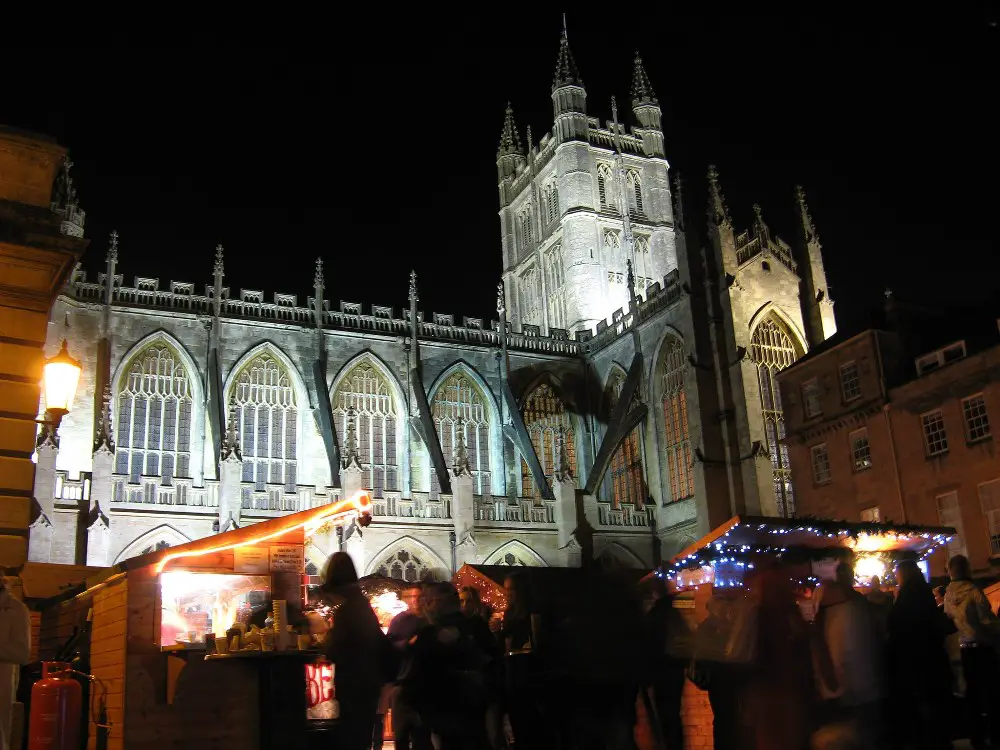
[[544, 415], [625, 481], [604, 185], [526, 236], [530, 283], [553, 284], [458, 396], [772, 350], [365, 390], [267, 416], [155, 411], [677, 438], [404, 565], [633, 185], [551, 203]]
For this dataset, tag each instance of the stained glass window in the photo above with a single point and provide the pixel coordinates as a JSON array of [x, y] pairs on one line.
[[544, 415], [155, 409], [624, 482], [677, 442], [772, 350]]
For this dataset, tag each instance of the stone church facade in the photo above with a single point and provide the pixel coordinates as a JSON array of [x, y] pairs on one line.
[[620, 406]]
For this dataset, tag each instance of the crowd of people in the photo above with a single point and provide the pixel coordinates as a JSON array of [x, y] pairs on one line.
[[869, 671]]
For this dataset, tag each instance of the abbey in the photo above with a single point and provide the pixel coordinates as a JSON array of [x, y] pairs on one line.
[[620, 405]]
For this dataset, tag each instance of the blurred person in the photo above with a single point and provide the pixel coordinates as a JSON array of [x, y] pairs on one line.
[[881, 602], [359, 651], [668, 643], [979, 635], [472, 603], [918, 665], [15, 651]]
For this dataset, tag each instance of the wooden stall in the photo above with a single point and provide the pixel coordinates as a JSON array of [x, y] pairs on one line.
[[810, 550], [158, 682]]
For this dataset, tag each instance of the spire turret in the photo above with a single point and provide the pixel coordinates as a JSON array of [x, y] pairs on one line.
[[104, 440], [817, 306], [808, 228], [718, 213], [231, 450], [460, 464], [510, 141], [642, 89], [351, 456], [567, 74], [760, 229]]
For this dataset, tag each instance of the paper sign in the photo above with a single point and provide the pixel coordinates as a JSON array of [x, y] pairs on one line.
[[250, 560], [319, 691], [288, 558]]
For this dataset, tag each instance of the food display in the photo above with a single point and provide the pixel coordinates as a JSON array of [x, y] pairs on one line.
[[196, 605]]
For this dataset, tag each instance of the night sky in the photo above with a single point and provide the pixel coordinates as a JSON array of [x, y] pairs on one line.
[[373, 143]]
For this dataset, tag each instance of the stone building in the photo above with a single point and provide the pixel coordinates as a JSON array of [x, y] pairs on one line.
[[881, 428], [613, 411]]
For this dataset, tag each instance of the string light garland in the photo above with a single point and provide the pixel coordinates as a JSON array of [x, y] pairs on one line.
[[724, 561]]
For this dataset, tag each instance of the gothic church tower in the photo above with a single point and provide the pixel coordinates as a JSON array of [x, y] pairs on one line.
[[564, 201]]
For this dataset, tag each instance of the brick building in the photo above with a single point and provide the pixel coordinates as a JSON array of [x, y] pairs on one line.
[[892, 426]]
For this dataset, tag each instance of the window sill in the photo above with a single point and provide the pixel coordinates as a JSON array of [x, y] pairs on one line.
[[979, 441], [862, 469], [939, 454]]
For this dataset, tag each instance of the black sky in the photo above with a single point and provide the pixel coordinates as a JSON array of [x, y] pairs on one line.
[[373, 144]]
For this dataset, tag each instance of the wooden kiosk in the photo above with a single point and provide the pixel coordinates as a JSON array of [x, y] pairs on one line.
[[155, 685]]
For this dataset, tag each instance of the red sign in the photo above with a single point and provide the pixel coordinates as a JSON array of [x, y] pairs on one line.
[[320, 701]]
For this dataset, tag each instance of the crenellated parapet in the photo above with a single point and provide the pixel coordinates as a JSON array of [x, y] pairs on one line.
[[251, 304]]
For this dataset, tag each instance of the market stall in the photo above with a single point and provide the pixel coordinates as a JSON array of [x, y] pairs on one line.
[[195, 646], [810, 550]]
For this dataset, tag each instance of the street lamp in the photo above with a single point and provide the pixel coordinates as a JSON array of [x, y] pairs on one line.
[[60, 376]]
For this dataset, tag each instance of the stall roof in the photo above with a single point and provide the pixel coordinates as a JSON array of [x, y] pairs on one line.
[[760, 534], [358, 506]]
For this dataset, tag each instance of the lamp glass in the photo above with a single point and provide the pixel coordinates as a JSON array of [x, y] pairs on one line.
[[61, 375]]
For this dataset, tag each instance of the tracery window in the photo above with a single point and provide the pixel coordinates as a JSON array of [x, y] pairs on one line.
[[772, 350], [624, 482], [155, 410], [268, 422], [604, 185], [526, 236], [633, 193], [459, 397], [544, 416], [643, 264], [403, 565], [677, 437], [365, 390], [161, 545]]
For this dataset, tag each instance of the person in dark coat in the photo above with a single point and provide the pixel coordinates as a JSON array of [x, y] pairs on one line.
[[359, 651], [918, 663], [668, 639]]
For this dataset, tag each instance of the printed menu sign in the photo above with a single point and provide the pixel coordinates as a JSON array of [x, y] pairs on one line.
[[252, 560], [288, 558]]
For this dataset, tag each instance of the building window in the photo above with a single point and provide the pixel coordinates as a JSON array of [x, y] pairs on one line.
[[977, 423], [861, 454], [677, 439], [634, 192], [625, 482], [989, 501], [530, 290], [935, 437], [871, 515], [950, 514], [603, 183], [551, 203], [772, 350], [365, 391], [268, 421], [545, 416], [403, 565], [526, 229], [553, 286], [850, 382], [154, 417], [811, 398], [459, 397], [820, 464]]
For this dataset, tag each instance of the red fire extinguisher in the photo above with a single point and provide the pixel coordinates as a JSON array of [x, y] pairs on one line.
[[55, 709]]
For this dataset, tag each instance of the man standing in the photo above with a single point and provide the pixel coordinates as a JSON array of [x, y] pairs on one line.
[[15, 651]]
